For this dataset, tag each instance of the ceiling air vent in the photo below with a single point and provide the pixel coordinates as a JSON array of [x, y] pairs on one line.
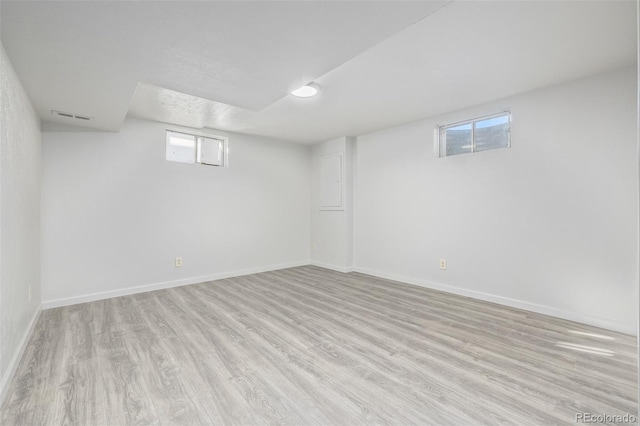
[[69, 115]]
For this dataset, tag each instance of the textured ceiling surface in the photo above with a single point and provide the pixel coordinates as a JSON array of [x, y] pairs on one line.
[[231, 65]]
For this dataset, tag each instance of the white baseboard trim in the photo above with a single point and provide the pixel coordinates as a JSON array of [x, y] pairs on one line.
[[55, 303], [595, 321], [330, 266], [605, 323], [17, 355]]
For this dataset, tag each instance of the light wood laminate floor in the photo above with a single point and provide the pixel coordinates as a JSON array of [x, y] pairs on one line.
[[307, 346]]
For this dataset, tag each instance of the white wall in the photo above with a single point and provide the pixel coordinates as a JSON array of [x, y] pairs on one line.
[[19, 219], [115, 213], [548, 225], [332, 230]]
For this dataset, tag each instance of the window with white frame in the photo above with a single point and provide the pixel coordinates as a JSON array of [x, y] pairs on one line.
[[475, 135], [189, 148]]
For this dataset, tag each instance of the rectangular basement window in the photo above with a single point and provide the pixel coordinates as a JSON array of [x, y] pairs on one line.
[[475, 135], [190, 148]]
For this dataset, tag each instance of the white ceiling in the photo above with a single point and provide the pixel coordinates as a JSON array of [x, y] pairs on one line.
[[230, 65]]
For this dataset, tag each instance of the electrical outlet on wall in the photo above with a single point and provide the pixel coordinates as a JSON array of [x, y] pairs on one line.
[[178, 262], [443, 264]]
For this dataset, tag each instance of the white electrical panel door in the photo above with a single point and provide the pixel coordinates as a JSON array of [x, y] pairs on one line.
[[331, 186], [210, 151]]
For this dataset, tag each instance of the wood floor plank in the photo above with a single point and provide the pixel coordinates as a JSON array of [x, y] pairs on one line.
[[80, 336], [80, 395], [266, 396], [174, 401], [315, 385], [320, 377], [205, 372], [315, 347], [126, 397], [533, 352], [331, 348], [36, 380]]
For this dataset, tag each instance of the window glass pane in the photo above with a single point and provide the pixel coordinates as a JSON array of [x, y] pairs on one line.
[[492, 133], [456, 139], [181, 140], [210, 151], [181, 147]]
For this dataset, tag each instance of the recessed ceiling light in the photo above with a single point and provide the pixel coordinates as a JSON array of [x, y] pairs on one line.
[[307, 91]]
